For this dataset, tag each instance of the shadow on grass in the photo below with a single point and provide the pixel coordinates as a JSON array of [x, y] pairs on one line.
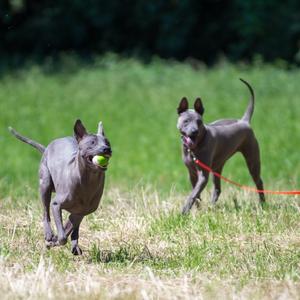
[[130, 254], [123, 254], [259, 259]]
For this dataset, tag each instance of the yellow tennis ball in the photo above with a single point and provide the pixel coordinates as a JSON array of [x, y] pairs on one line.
[[100, 160]]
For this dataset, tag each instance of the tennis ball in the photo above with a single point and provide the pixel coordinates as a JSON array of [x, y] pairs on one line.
[[100, 160]]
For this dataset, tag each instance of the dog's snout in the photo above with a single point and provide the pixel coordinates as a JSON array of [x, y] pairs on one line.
[[106, 150], [194, 134]]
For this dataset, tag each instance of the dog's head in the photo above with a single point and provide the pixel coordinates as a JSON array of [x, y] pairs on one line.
[[90, 145], [190, 123]]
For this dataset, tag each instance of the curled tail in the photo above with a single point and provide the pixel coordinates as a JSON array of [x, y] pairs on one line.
[[249, 111], [26, 140]]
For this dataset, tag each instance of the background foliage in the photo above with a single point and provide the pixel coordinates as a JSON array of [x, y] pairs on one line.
[[179, 29]]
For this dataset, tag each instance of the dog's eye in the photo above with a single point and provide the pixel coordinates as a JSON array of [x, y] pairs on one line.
[[93, 142]]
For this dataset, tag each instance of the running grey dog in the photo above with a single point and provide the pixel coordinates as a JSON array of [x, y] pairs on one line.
[[214, 144], [68, 169]]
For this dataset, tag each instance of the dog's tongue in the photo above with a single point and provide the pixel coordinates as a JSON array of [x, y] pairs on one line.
[[188, 141]]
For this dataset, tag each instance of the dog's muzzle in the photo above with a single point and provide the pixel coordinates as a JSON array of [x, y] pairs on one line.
[[187, 141]]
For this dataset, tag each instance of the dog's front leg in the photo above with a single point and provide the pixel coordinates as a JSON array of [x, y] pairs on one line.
[[57, 215], [199, 186], [72, 226], [193, 179]]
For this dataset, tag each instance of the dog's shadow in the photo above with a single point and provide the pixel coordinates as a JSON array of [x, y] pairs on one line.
[[123, 254]]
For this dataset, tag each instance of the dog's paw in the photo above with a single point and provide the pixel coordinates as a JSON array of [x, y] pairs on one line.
[[50, 244], [198, 203], [62, 241], [51, 241], [76, 250], [185, 210], [48, 236]]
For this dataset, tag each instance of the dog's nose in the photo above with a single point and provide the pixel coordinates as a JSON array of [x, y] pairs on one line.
[[194, 134], [106, 150]]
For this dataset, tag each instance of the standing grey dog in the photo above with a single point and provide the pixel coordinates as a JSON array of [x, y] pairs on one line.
[[68, 169], [214, 144]]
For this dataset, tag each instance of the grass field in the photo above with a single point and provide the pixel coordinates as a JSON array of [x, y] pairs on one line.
[[137, 245]]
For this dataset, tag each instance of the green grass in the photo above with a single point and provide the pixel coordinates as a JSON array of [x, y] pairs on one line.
[[137, 245]]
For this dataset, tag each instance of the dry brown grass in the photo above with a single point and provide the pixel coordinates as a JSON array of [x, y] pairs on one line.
[[136, 247], [89, 283]]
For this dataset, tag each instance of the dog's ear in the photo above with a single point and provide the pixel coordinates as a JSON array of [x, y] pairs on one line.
[[183, 105], [198, 106], [79, 131], [100, 129]]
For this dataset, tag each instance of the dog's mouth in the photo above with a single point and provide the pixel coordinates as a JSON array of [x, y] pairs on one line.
[[189, 141], [99, 161]]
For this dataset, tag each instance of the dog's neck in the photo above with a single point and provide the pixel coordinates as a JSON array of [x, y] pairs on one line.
[[201, 136], [84, 172]]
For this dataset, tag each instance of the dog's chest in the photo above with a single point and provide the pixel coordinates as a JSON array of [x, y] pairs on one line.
[[85, 197], [188, 159]]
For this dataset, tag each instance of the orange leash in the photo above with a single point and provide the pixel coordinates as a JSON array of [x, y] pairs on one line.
[[244, 187]]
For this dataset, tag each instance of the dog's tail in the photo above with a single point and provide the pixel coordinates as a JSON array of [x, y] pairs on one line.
[[249, 112], [26, 140]]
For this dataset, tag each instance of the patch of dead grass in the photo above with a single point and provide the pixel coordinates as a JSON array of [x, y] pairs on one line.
[[28, 270]]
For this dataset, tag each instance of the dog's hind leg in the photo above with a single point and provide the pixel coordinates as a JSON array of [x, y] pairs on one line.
[[46, 188], [252, 157]]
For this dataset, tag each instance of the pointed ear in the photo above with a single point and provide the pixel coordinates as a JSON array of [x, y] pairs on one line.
[[79, 131], [100, 129], [183, 105], [198, 106]]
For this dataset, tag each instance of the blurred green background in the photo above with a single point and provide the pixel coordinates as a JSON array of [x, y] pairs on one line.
[[137, 104], [56, 65]]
